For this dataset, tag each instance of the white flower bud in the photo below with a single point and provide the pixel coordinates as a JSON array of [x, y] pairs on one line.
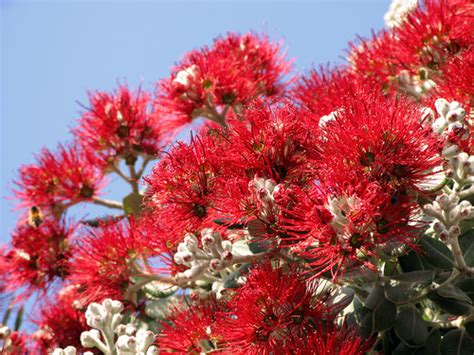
[[121, 329], [442, 106], [152, 350], [95, 315], [112, 306], [126, 344], [145, 338], [116, 320], [4, 331], [191, 242], [184, 76], [70, 350], [90, 338]]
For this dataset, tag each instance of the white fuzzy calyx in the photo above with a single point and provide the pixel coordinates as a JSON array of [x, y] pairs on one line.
[[184, 76], [140, 343], [448, 212], [110, 336], [451, 118], [398, 12], [213, 259], [69, 350], [340, 207]]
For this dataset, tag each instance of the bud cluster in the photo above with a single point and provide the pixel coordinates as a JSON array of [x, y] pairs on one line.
[[265, 190], [213, 262], [105, 319], [449, 213]]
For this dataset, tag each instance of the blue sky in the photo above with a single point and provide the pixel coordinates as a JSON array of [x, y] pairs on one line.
[[52, 52]]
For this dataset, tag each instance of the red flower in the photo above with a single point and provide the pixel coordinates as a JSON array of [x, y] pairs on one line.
[[15, 343], [61, 321], [104, 260], [379, 139], [181, 186], [274, 312], [454, 82], [190, 329], [120, 125], [267, 157], [323, 91], [432, 34], [340, 230], [233, 72], [336, 341], [39, 255], [59, 180]]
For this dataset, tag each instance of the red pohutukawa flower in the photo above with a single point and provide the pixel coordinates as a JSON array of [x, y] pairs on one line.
[[395, 150], [120, 125], [40, 255], [341, 229], [59, 179], [231, 73], [181, 187], [434, 32], [336, 340], [410, 54], [61, 321], [190, 329], [454, 82], [267, 156], [274, 312], [104, 260]]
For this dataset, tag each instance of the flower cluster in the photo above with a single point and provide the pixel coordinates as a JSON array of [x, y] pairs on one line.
[[231, 73], [327, 214]]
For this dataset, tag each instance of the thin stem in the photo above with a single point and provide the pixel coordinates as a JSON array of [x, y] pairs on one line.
[[143, 167], [459, 258], [440, 186], [107, 203], [467, 192], [133, 178]]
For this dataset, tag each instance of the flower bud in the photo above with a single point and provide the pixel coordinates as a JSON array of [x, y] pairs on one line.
[[144, 339], [126, 343], [152, 350], [90, 338]]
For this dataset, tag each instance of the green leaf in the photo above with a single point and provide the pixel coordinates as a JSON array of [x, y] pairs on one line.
[[390, 341], [366, 321], [409, 285], [132, 204], [432, 343], [384, 311], [467, 286], [453, 292], [375, 296], [437, 253], [448, 304], [466, 242], [19, 318], [422, 276], [414, 261], [384, 315], [411, 328], [457, 342], [470, 328]]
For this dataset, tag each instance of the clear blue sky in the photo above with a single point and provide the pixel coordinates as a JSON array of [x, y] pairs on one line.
[[52, 52]]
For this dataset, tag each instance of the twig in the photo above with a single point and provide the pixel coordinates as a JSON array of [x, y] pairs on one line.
[[459, 261], [107, 203], [143, 167]]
